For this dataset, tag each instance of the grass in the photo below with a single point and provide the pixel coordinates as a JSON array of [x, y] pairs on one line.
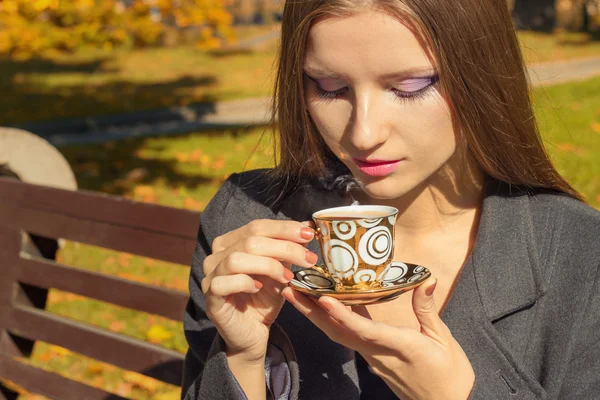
[[186, 171], [98, 83], [543, 47], [569, 118]]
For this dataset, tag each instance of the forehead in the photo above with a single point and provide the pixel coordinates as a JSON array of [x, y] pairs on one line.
[[365, 42]]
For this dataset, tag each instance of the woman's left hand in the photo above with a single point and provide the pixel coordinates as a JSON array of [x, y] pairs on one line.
[[425, 364]]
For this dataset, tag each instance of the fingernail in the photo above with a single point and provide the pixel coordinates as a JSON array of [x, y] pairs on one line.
[[307, 233], [287, 294], [288, 275], [311, 257], [325, 304], [429, 291], [258, 284]]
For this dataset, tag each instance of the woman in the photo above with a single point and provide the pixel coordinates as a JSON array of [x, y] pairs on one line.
[[422, 105]]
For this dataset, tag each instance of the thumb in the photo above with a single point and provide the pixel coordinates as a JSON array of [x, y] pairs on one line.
[[426, 311]]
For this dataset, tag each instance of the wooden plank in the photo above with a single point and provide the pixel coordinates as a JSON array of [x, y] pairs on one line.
[[99, 207], [166, 247], [138, 296], [49, 384], [125, 352]]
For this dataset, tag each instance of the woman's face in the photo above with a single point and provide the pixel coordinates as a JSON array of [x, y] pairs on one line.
[[373, 95]]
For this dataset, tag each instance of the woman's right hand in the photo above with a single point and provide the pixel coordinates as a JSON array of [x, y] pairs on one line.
[[244, 277]]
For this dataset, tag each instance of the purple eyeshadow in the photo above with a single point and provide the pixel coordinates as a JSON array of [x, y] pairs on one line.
[[414, 85]]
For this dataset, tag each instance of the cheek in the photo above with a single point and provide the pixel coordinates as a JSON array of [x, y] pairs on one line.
[[330, 118], [427, 129]]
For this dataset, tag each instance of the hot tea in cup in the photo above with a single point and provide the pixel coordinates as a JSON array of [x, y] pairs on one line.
[[357, 244]]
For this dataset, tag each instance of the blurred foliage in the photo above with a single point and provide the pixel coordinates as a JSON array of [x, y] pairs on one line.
[[41, 27]]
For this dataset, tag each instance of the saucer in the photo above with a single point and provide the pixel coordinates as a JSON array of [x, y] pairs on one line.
[[400, 278]]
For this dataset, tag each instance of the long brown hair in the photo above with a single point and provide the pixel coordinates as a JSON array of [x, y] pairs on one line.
[[476, 52]]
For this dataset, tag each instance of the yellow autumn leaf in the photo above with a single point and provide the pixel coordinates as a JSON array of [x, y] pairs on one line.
[[59, 350], [596, 127], [140, 381], [143, 191], [95, 368], [157, 334]]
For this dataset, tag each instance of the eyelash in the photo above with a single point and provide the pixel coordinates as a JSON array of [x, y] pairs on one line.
[[400, 95]]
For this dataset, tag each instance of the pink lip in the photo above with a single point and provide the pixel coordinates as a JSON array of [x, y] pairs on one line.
[[376, 167]]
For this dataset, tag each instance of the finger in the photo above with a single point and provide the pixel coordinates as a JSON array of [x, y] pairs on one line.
[[223, 286], [312, 311], [281, 250], [426, 311], [250, 264], [368, 331], [300, 232]]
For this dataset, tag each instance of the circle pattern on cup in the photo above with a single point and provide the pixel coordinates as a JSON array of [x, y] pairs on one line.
[[375, 245], [365, 276], [344, 229], [369, 223], [340, 258], [323, 230], [396, 271]]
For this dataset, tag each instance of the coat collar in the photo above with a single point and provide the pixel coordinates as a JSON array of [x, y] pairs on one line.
[[506, 256]]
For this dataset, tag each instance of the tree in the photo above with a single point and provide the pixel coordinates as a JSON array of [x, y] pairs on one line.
[[37, 27], [537, 15]]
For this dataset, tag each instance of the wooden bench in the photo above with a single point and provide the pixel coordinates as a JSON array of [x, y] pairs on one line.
[[45, 214]]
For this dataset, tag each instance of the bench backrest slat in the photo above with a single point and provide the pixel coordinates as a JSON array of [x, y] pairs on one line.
[[48, 384], [131, 234], [122, 351], [103, 208], [138, 296]]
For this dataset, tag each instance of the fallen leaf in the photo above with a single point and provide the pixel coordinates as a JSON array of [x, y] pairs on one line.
[[204, 160], [143, 190], [116, 326], [95, 368], [192, 204], [566, 147], [570, 148], [157, 334], [123, 259], [131, 277], [140, 381], [219, 164], [196, 154], [182, 157], [46, 356], [123, 389], [596, 127], [59, 350]]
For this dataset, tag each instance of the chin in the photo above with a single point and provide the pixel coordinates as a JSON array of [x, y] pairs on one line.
[[387, 188]]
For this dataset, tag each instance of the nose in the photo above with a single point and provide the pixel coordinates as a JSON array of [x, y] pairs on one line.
[[367, 128]]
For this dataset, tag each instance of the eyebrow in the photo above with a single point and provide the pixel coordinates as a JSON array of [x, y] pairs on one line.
[[405, 73]]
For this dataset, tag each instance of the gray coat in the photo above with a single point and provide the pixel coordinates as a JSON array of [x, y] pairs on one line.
[[525, 309]]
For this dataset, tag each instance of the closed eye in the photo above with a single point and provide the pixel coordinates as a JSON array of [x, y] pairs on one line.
[[326, 94]]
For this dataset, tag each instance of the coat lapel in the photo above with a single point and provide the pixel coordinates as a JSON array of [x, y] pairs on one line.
[[506, 255], [500, 278]]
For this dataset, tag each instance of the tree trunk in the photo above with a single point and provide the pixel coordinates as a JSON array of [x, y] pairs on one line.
[[537, 15]]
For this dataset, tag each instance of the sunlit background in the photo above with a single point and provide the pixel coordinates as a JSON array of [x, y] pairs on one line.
[[76, 60]]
